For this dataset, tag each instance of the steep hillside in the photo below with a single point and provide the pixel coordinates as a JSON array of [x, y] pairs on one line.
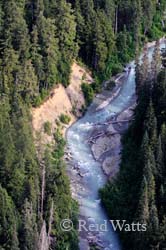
[[67, 101]]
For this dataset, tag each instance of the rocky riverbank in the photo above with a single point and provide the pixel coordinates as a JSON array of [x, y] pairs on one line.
[[105, 140]]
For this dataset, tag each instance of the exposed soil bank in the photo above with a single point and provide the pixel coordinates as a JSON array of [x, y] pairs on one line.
[[68, 101]]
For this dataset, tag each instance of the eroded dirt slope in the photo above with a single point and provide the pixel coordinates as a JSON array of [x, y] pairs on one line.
[[62, 100]]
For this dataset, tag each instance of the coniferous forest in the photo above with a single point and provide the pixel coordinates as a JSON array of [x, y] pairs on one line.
[[39, 39]]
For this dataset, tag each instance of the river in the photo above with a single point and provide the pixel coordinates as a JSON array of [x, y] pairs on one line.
[[86, 184]]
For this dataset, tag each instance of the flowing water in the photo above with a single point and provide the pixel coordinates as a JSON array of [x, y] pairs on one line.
[[86, 188]]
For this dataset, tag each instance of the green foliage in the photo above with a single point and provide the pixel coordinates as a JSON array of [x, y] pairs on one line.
[[88, 93], [96, 86], [47, 128], [64, 118], [30, 233], [37, 101], [113, 65], [8, 231]]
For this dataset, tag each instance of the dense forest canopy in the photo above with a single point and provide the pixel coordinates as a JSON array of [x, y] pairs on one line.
[[39, 39]]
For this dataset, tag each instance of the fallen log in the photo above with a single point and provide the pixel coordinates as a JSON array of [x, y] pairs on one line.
[[120, 121], [93, 138], [114, 122], [96, 136]]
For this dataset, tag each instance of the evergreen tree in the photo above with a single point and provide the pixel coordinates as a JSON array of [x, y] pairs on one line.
[[151, 126], [15, 28], [159, 97], [15, 242], [7, 221], [137, 8], [149, 8], [7, 147], [30, 234], [150, 181], [159, 161], [145, 147], [163, 234], [154, 228], [8, 66], [163, 140], [66, 36], [49, 51], [143, 206], [26, 80], [36, 55], [142, 214], [156, 61], [103, 42], [142, 72]]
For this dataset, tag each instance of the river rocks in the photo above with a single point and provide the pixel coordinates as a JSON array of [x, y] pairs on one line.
[[95, 241], [107, 150], [84, 244], [126, 114], [106, 146], [68, 156], [101, 145], [106, 102], [110, 165]]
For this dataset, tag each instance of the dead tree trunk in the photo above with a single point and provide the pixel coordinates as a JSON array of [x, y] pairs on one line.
[[43, 238], [50, 222], [116, 20], [43, 186]]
